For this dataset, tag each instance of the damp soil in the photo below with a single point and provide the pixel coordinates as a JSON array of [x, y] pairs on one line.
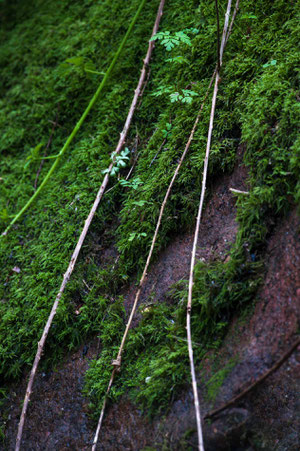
[[268, 418]]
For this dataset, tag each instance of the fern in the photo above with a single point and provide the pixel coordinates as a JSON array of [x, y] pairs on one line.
[[119, 160], [185, 97], [169, 41]]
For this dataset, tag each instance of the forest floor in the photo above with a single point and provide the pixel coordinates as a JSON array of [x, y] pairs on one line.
[[268, 418]]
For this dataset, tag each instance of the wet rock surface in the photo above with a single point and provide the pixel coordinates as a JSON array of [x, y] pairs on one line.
[[217, 232], [273, 415], [268, 418], [57, 417]]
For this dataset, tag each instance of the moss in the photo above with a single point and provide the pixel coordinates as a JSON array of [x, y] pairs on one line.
[[214, 384], [257, 106], [155, 363]]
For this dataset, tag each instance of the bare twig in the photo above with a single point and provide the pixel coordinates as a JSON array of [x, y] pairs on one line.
[[236, 8], [144, 87], [103, 409], [117, 362], [193, 257], [89, 288], [54, 124], [131, 170], [74, 257], [160, 147], [57, 125], [237, 191], [275, 367], [218, 36]]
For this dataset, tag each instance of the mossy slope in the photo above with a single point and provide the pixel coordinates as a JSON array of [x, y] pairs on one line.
[[257, 105]]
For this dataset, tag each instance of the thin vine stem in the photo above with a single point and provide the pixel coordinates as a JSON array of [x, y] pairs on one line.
[[79, 123], [196, 235], [218, 35], [117, 362], [75, 254]]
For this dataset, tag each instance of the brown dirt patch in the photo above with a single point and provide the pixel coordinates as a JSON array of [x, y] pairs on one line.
[[57, 417], [266, 419], [269, 417]]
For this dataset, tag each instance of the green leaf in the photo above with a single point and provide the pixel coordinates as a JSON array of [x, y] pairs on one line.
[[175, 97], [134, 184], [169, 41], [185, 97], [248, 16], [114, 171], [271, 63], [135, 235], [34, 154], [140, 203], [76, 60], [177, 59], [162, 90], [191, 30]]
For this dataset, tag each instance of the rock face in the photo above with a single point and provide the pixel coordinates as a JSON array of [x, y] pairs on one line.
[[267, 418]]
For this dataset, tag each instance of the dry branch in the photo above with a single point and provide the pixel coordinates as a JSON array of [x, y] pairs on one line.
[[270, 371], [236, 8], [88, 221], [225, 36], [218, 36], [159, 149], [117, 362], [144, 87], [238, 191]]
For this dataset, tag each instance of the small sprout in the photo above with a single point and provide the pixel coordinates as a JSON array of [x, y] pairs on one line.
[[249, 16], [162, 90], [34, 154], [75, 61], [177, 59], [134, 184], [169, 41], [140, 203], [136, 236], [167, 130], [186, 96], [119, 160], [82, 63], [271, 63]]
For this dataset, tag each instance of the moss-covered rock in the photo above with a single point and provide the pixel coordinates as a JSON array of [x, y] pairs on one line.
[[257, 105]]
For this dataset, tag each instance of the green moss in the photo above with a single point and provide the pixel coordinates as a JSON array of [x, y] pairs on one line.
[[257, 105], [4, 413], [155, 363], [214, 384]]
